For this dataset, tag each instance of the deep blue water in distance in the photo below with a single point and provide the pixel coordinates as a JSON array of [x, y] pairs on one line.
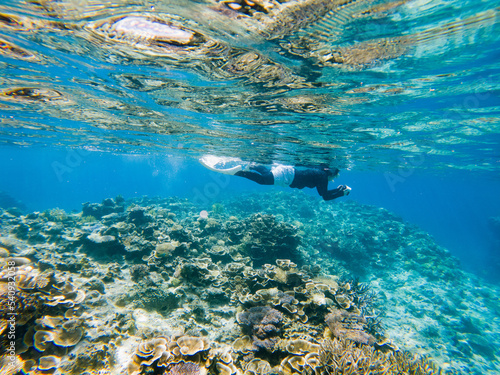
[[453, 208]]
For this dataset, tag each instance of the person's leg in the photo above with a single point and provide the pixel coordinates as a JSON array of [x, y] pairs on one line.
[[262, 169], [259, 174]]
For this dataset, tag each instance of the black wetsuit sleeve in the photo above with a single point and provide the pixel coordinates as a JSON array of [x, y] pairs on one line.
[[332, 194]]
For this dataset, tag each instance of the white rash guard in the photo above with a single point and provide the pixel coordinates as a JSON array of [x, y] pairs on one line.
[[283, 174]]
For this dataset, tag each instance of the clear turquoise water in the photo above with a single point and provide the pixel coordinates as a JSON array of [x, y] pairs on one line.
[[410, 113]]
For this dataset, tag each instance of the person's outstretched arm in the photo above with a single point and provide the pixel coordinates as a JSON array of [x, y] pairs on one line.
[[340, 191]]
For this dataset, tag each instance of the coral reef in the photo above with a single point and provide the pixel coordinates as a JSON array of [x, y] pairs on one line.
[[344, 357], [350, 326], [28, 296], [267, 240], [178, 355], [158, 288]]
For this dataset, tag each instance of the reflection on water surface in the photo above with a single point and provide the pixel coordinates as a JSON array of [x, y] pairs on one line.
[[355, 83]]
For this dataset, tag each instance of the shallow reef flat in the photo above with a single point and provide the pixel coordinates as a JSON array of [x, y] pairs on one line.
[[272, 283]]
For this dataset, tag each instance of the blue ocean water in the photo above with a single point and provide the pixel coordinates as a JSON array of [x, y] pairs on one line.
[[453, 208]]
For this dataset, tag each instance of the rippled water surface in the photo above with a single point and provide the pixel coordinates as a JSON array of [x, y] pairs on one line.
[[358, 83]]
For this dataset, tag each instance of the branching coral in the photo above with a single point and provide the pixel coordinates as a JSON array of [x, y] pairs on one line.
[[342, 356], [350, 326]]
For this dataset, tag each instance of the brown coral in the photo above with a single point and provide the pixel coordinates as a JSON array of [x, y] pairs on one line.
[[48, 362], [348, 325], [50, 287], [263, 323], [190, 345], [302, 347], [146, 353], [60, 331]]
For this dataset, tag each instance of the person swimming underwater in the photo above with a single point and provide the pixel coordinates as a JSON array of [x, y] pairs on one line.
[[299, 178]]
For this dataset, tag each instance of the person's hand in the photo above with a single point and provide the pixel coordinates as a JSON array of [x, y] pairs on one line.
[[345, 189]]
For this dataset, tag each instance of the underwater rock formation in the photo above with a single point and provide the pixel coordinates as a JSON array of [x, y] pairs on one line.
[[96, 243], [11, 205], [108, 206]]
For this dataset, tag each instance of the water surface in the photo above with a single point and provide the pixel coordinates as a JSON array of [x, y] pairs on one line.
[[359, 84]]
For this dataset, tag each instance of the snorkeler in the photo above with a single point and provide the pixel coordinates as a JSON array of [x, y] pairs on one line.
[[286, 175]]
